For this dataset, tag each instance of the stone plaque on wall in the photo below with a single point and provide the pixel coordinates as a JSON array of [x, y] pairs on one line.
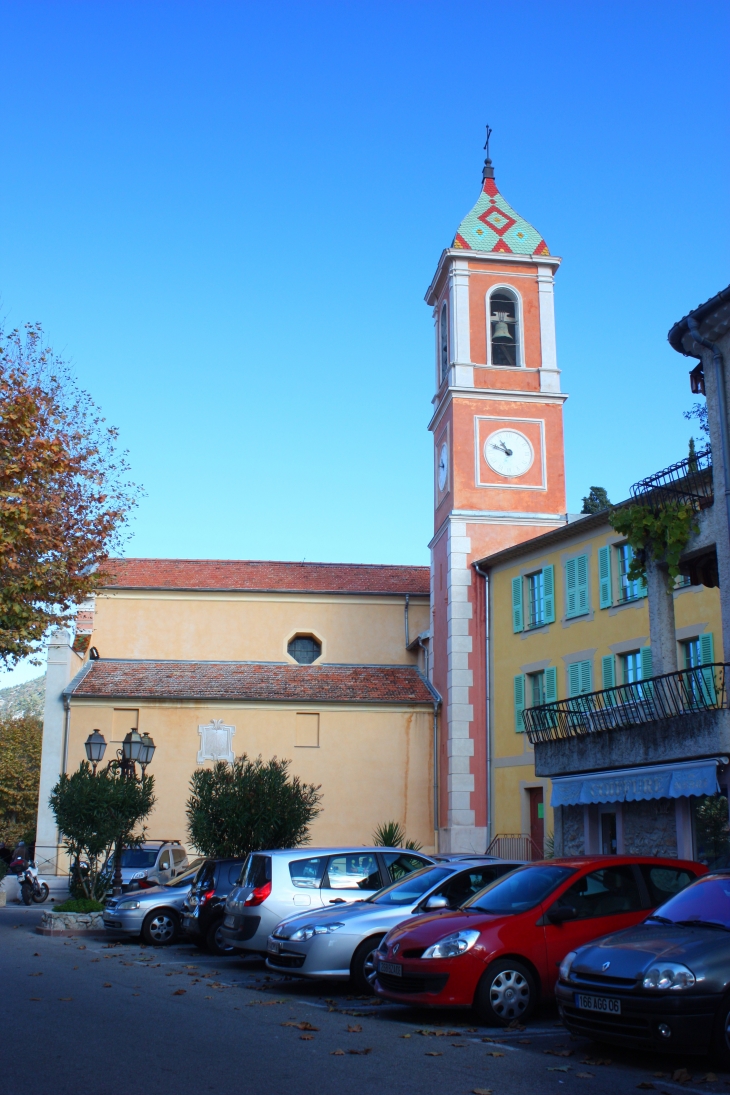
[[216, 742]]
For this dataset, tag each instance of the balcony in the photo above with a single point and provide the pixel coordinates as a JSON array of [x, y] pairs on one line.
[[689, 481], [667, 697], [665, 718]]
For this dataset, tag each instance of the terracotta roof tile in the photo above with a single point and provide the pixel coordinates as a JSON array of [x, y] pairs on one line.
[[251, 681], [265, 576]]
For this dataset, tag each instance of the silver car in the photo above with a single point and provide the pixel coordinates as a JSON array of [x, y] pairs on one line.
[[152, 864], [276, 884], [340, 943], [155, 914]]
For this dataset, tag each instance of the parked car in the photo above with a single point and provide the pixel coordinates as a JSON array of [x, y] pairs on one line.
[[153, 913], [662, 985], [277, 884], [204, 906], [152, 864], [340, 943], [500, 952]]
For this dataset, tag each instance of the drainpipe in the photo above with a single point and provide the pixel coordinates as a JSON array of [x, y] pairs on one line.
[[721, 401], [66, 722], [405, 620], [487, 701], [436, 707]]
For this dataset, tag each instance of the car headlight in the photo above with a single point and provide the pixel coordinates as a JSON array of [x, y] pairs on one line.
[[566, 964], [673, 975], [128, 905], [452, 945], [314, 929]]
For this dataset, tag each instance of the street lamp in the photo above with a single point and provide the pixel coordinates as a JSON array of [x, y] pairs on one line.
[[147, 751], [95, 746], [132, 747]]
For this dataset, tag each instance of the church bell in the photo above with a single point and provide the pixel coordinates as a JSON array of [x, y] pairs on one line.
[[501, 330]]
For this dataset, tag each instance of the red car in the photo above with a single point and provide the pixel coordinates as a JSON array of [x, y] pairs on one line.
[[501, 950]]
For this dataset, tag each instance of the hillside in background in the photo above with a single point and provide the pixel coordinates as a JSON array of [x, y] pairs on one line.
[[23, 699]]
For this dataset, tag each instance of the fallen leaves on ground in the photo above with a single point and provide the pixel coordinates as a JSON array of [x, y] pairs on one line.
[[481, 1091], [39, 974], [596, 1061], [107, 985], [36, 954], [306, 1037], [516, 1025], [264, 1003], [710, 1078], [559, 1052], [584, 1075], [682, 1076], [494, 1053], [34, 997], [362, 1052], [65, 999], [405, 1035], [524, 1042], [559, 1068], [179, 992], [433, 1053], [354, 1028], [300, 1026], [337, 1053]]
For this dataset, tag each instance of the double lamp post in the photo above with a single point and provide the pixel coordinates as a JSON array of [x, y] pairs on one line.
[[136, 749]]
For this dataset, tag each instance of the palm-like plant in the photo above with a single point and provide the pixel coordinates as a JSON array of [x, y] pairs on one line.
[[391, 834]]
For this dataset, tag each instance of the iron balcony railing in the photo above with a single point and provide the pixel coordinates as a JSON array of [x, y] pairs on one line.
[[665, 697], [688, 481]]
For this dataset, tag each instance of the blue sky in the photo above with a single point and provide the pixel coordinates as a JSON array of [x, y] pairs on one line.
[[226, 215]]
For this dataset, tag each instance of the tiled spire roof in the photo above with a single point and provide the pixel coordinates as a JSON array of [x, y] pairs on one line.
[[493, 225]]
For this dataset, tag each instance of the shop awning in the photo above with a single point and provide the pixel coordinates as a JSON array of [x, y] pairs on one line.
[[695, 777]]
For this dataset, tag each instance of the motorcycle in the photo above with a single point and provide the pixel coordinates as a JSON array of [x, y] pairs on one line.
[[32, 888]]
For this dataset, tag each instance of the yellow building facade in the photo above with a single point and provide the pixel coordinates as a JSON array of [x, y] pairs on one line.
[[565, 620], [316, 664]]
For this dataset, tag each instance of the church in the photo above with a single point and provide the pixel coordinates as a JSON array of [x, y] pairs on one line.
[[378, 683]]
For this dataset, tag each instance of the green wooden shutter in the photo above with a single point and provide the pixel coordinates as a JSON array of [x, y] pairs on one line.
[[646, 663], [707, 656], [548, 585], [571, 588], [608, 671], [582, 583], [586, 675], [605, 598], [551, 684], [574, 679], [519, 685], [517, 613]]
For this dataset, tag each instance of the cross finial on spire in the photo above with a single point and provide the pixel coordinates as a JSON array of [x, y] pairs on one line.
[[488, 170]]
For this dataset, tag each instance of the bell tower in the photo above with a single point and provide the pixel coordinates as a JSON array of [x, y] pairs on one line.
[[499, 473]]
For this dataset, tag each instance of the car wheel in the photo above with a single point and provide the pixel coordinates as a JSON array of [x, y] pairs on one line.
[[215, 943], [362, 967], [507, 991], [721, 1039], [160, 928]]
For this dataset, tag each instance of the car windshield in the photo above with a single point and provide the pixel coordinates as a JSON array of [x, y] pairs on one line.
[[408, 890], [188, 876], [139, 857], [706, 901], [520, 890]]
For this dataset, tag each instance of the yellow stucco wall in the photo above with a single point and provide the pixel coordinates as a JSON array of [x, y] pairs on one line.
[[697, 611], [374, 763], [254, 627]]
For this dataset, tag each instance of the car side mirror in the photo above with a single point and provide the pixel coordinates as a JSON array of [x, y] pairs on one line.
[[560, 913], [437, 901]]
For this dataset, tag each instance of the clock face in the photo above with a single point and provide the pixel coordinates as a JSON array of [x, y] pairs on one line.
[[508, 452], [443, 466]]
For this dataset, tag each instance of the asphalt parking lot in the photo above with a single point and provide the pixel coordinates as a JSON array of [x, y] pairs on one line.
[[83, 1014]]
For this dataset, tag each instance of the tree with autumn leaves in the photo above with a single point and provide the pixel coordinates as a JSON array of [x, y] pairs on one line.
[[64, 492]]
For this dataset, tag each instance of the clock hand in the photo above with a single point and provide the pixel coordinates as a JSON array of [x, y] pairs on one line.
[[503, 447]]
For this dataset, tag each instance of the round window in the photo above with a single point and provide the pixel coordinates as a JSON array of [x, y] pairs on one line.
[[304, 649]]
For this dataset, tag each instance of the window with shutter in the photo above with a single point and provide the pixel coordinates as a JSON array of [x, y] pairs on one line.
[[646, 663], [608, 671], [548, 585], [605, 597], [579, 678], [519, 693], [551, 684], [576, 586], [707, 656], [517, 612]]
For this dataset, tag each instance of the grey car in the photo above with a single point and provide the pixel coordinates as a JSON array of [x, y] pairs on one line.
[[340, 943], [155, 914], [277, 884], [152, 864]]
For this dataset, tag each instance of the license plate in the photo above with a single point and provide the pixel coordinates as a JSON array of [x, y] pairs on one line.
[[608, 1004], [393, 968], [273, 947]]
